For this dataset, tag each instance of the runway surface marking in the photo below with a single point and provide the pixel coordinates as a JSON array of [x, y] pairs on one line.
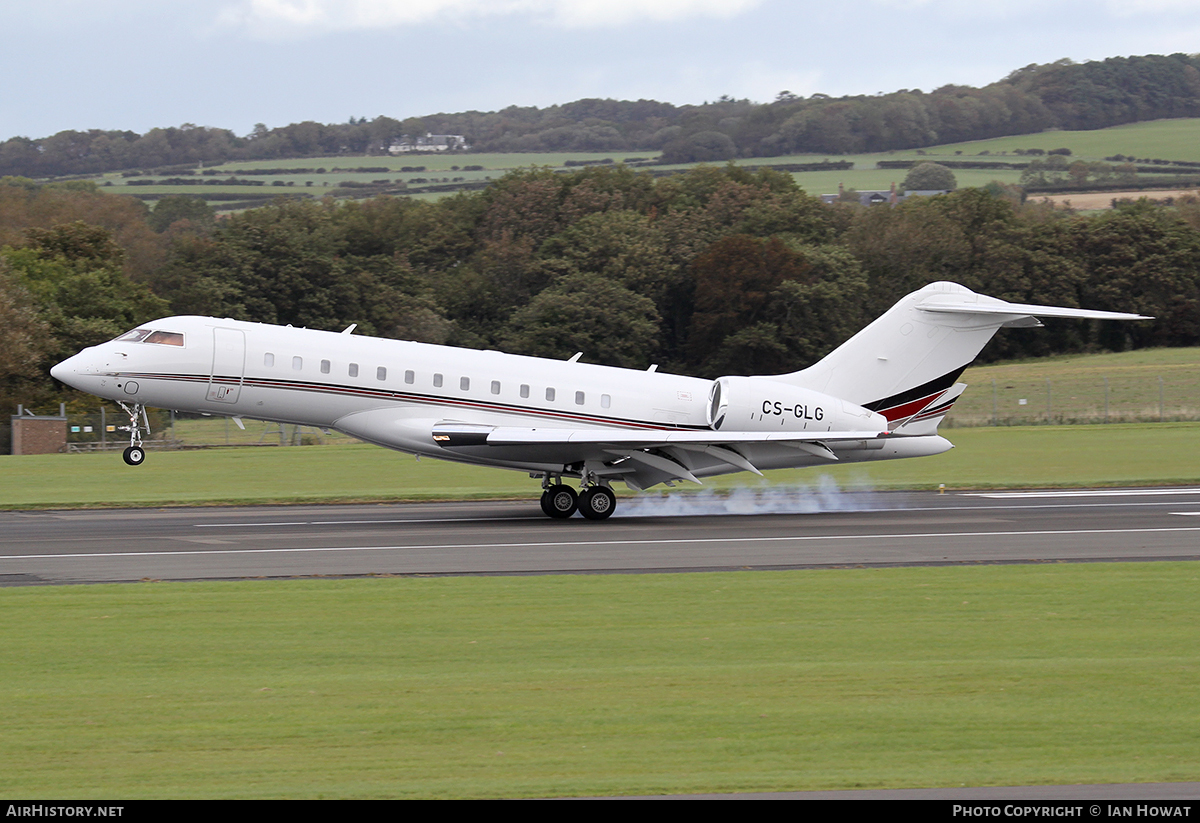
[[1082, 493], [623, 542], [975, 508]]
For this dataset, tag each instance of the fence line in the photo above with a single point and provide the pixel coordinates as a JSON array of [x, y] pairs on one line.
[[99, 431], [1082, 399]]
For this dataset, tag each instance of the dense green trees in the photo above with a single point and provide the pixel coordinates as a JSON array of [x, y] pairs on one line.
[[929, 177]]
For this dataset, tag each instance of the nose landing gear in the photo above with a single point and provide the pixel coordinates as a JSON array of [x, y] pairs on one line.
[[134, 454]]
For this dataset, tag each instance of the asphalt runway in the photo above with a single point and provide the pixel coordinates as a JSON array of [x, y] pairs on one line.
[[794, 529]]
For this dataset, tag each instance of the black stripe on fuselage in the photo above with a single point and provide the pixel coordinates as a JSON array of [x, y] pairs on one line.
[[412, 397], [933, 387]]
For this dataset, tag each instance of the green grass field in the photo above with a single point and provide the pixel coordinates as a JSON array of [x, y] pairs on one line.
[[1036, 456], [1162, 139], [609, 684]]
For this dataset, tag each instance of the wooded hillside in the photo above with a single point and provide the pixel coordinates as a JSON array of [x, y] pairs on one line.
[[1058, 95]]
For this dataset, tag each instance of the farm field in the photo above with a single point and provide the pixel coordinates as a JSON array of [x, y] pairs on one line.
[[602, 684], [1098, 200], [1177, 139]]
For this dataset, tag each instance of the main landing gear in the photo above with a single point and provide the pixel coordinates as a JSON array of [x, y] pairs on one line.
[[597, 502], [135, 454]]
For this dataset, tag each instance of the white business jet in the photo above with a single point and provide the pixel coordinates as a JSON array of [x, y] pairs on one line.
[[879, 396]]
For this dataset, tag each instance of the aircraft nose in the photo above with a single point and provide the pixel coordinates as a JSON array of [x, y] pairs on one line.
[[61, 371], [67, 371]]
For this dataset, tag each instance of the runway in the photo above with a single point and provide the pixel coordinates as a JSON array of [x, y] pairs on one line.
[[678, 533]]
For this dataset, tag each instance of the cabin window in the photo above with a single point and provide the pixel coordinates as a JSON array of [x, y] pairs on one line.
[[464, 383], [268, 359], [324, 367], [353, 370], [165, 338], [525, 390], [297, 363], [550, 394], [437, 381], [410, 376], [578, 398], [495, 387], [605, 401], [381, 373]]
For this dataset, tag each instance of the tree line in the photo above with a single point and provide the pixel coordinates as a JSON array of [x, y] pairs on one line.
[[1064, 95]]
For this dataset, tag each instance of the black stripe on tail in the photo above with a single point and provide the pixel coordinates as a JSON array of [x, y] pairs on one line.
[[894, 407]]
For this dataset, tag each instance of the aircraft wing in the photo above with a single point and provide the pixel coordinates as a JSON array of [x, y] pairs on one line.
[[639, 457]]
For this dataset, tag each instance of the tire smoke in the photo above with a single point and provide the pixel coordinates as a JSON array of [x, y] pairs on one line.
[[822, 496]]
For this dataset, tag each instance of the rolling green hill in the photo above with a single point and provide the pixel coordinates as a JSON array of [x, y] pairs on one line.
[[441, 175]]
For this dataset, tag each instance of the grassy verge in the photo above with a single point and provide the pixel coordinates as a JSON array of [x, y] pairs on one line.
[[1035, 456], [549, 686]]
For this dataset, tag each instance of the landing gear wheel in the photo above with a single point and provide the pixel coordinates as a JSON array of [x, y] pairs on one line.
[[597, 503], [134, 455], [559, 501]]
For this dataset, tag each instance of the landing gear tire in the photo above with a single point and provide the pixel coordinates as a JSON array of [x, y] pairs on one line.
[[134, 455], [559, 501], [597, 503]]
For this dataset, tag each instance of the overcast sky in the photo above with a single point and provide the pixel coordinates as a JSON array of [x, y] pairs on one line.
[[137, 64]]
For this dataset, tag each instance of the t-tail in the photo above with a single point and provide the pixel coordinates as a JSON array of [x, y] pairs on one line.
[[906, 364]]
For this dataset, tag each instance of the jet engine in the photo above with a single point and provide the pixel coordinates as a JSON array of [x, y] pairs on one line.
[[757, 404]]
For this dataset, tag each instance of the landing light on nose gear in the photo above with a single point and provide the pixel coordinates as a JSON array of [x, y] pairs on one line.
[[134, 454]]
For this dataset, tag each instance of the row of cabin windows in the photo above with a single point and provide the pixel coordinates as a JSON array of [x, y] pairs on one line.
[[410, 377]]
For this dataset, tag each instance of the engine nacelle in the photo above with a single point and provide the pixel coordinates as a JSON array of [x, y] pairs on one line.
[[756, 404]]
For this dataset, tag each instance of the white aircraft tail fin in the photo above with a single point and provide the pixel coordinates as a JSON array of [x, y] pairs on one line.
[[906, 364]]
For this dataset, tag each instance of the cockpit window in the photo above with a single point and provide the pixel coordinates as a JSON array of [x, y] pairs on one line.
[[162, 338], [165, 338]]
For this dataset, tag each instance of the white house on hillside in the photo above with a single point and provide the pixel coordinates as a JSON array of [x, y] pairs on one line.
[[430, 142]]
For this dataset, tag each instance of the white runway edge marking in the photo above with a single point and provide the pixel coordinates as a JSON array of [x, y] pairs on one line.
[[793, 538], [1083, 493], [1186, 514]]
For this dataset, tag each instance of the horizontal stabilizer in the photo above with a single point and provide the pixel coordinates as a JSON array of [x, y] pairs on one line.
[[935, 304]]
